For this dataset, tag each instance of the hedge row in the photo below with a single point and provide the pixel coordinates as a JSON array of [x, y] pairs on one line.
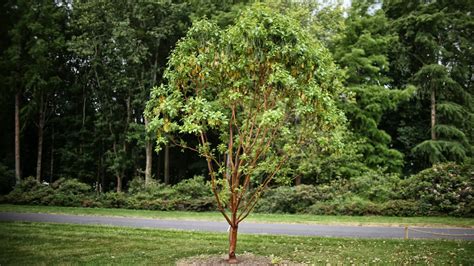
[[445, 189]]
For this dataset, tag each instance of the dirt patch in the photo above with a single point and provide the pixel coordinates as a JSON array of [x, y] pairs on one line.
[[246, 259]]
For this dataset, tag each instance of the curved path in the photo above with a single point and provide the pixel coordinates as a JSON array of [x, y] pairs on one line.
[[250, 228]]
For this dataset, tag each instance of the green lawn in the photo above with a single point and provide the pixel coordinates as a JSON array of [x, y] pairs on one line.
[[254, 217], [51, 244]]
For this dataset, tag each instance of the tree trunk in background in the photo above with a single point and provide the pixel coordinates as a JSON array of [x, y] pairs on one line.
[[433, 114], [51, 168], [119, 183], [167, 164], [298, 180], [17, 138], [41, 123], [149, 156]]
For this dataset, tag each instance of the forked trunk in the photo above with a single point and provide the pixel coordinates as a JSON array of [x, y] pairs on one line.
[[232, 244]]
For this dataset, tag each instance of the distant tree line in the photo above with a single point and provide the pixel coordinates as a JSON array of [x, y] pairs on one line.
[[76, 76]]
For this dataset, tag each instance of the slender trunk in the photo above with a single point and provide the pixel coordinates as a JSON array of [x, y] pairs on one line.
[[17, 138], [167, 164], [41, 123], [51, 172], [149, 156], [119, 183], [433, 114], [233, 244], [158, 166]]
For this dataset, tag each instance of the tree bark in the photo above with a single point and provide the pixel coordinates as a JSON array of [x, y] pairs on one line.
[[51, 168], [433, 114], [41, 123], [119, 183], [298, 180], [167, 164], [149, 156], [17, 138], [233, 244]]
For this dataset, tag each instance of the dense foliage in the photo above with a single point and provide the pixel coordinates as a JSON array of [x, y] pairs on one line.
[[445, 189], [75, 77]]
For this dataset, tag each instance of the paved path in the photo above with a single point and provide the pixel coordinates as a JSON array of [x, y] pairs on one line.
[[250, 228]]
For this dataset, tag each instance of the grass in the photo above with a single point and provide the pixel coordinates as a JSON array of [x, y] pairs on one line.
[[52, 244], [254, 217]]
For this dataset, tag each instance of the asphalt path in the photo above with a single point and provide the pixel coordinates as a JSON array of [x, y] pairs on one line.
[[249, 228]]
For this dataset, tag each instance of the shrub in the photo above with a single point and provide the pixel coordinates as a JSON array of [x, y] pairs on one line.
[[29, 191], [69, 192], [354, 205], [442, 189], [193, 188], [113, 200], [288, 199], [402, 208], [375, 186]]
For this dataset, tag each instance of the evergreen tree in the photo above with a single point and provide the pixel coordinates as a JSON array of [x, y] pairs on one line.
[[363, 52], [435, 54]]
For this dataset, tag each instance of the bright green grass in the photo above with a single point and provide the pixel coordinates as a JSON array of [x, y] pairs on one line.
[[52, 244], [254, 217]]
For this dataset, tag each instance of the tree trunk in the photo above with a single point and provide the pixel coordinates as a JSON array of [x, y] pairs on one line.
[[17, 138], [119, 183], [41, 123], [51, 168], [298, 180], [233, 244], [167, 164], [149, 156], [433, 114]]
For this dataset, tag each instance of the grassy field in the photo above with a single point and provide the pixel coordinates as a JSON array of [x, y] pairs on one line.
[[46, 244], [254, 217]]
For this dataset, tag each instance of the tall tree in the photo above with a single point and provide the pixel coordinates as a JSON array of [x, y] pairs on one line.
[[435, 55], [34, 54], [253, 95], [123, 48], [363, 51]]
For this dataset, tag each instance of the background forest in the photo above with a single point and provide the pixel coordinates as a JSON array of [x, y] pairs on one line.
[[75, 78]]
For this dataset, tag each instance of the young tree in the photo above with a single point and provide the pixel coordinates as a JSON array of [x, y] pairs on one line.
[[256, 96]]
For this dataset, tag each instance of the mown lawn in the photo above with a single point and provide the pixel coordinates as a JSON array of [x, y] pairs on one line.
[[254, 217], [52, 244]]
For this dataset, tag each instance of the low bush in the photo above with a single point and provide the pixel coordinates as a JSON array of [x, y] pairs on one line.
[[354, 205], [444, 189]]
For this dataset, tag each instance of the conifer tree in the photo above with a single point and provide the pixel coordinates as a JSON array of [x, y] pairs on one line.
[[363, 52], [436, 55]]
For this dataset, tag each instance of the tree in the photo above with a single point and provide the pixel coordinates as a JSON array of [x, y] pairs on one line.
[[34, 56], [122, 49], [363, 51], [255, 96], [435, 55]]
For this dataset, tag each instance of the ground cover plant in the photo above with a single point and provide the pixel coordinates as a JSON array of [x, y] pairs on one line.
[[33, 243]]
